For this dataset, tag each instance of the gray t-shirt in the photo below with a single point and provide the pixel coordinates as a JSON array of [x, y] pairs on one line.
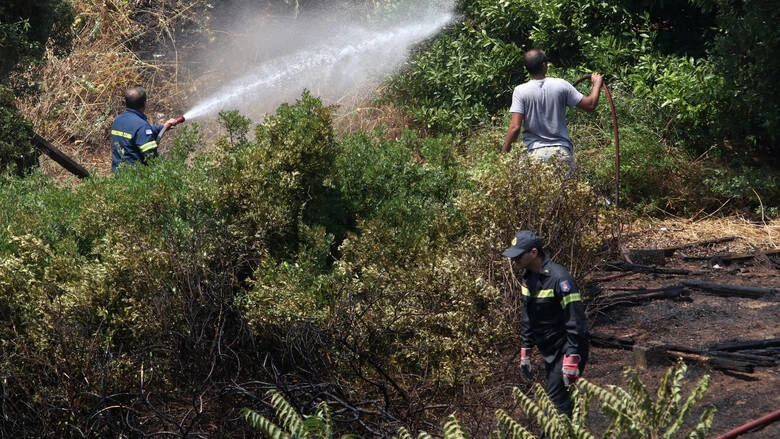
[[543, 104]]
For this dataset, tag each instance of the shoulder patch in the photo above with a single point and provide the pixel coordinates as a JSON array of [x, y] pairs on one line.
[[149, 132], [565, 286]]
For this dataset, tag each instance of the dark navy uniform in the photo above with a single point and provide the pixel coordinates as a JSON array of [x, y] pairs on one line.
[[554, 321], [132, 138]]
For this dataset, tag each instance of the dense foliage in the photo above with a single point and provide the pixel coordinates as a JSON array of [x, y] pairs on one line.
[[201, 264], [361, 268], [632, 413], [27, 29], [686, 81]]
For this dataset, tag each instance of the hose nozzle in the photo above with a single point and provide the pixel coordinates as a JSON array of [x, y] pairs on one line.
[[179, 120]]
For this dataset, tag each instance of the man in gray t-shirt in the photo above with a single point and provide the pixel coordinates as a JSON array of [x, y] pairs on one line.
[[539, 109]]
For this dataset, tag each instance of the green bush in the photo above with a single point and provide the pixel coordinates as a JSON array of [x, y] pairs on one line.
[[397, 182], [514, 191], [743, 52], [17, 153]]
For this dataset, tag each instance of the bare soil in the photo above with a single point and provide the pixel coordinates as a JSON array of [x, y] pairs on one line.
[[703, 320]]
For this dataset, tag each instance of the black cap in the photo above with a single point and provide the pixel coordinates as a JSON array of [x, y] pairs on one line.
[[522, 242]]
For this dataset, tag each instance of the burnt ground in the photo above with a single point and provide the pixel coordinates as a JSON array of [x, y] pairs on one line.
[[701, 319], [697, 319]]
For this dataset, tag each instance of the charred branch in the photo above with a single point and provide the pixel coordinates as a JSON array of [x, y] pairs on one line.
[[611, 342], [59, 157], [732, 290], [639, 268]]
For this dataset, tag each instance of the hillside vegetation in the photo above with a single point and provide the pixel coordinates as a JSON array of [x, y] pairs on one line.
[[329, 262]]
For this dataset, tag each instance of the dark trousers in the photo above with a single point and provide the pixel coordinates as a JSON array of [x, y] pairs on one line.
[[554, 387]]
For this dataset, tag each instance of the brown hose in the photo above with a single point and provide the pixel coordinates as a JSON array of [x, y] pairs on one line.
[[751, 426], [617, 146]]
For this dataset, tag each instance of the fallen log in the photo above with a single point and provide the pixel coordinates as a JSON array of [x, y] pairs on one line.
[[669, 251], [747, 345], [728, 258], [727, 290], [59, 157], [611, 342], [640, 297], [752, 426], [625, 266], [656, 353]]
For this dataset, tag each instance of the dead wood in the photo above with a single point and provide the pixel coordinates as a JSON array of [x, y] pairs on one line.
[[611, 342], [656, 353], [59, 157], [671, 352], [640, 297], [747, 345], [625, 266], [669, 251], [727, 290], [732, 257]]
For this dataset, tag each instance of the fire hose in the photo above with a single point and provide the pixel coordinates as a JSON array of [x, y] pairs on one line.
[[617, 146], [164, 128]]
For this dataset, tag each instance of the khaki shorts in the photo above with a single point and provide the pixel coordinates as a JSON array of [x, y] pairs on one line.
[[558, 152], [545, 153]]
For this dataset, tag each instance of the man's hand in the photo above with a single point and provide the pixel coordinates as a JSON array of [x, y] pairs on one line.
[[596, 79], [571, 371], [525, 364], [170, 122]]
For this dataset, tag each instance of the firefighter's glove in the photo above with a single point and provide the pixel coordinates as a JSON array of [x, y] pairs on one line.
[[571, 369], [525, 364]]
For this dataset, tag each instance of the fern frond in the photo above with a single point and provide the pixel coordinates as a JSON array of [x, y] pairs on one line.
[[696, 395], [403, 434], [702, 428], [509, 425], [291, 421], [325, 426], [453, 429], [582, 400], [618, 405], [527, 405], [662, 408], [640, 401], [263, 424]]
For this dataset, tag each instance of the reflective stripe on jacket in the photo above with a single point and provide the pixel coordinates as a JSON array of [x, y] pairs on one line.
[[553, 312], [132, 138]]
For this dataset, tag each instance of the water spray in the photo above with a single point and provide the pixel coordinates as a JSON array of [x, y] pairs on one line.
[[335, 61]]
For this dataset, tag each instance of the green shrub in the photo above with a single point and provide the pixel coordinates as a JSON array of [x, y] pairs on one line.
[[743, 52], [17, 153], [463, 75], [514, 191], [397, 182]]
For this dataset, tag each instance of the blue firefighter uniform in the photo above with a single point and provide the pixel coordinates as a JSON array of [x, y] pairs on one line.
[[132, 138], [554, 321]]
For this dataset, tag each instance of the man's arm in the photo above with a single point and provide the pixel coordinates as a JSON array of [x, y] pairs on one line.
[[574, 315], [515, 126], [589, 102]]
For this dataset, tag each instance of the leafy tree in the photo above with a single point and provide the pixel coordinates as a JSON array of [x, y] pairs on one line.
[[16, 150], [745, 50], [27, 28]]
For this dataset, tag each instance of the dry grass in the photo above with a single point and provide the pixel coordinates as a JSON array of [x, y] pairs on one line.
[[670, 232], [82, 93]]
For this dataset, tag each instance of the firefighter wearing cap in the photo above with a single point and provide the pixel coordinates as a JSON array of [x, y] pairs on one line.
[[133, 138], [553, 318]]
